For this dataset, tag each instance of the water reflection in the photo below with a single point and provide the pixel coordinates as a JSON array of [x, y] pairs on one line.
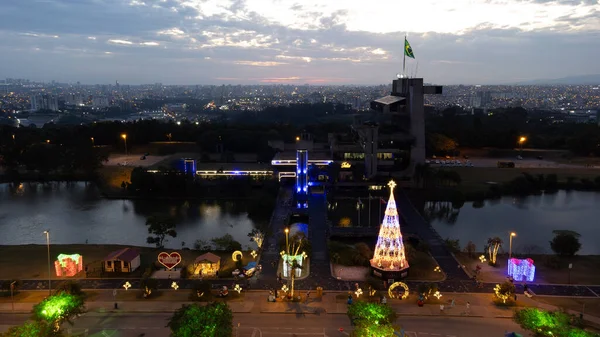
[[75, 212], [533, 218]]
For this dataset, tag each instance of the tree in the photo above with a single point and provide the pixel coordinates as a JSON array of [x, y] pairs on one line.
[[59, 308], [160, 227], [505, 291], [453, 245], [441, 144], [371, 319], [257, 236], [565, 243], [493, 244], [470, 249], [211, 320], [32, 329], [227, 243]]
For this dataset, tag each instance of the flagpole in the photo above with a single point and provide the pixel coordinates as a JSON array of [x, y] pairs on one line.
[[404, 58]]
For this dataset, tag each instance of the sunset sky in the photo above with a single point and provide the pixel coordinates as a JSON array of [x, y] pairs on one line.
[[287, 41]]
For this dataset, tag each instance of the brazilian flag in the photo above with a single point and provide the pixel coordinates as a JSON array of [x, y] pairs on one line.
[[408, 50]]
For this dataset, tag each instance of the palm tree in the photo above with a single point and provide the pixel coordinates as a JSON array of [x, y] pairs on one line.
[[493, 244]]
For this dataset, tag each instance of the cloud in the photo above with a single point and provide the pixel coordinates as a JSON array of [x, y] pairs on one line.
[[123, 42], [257, 41], [259, 63]]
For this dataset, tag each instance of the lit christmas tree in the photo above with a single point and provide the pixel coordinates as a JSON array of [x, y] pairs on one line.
[[389, 254]]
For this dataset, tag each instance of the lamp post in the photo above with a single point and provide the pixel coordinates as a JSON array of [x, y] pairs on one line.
[[124, 136], [512, 234], [521, 141], [12, 298], [93, 143], [287, 247], [49, 274]]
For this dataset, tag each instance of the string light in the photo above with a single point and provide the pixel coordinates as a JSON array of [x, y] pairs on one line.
[[389, 251], [520, 269]]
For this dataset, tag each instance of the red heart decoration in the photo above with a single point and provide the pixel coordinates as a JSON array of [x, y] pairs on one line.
[[169, 260]]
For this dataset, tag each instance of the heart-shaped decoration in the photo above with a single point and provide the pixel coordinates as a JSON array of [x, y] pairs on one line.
[[169, 260]]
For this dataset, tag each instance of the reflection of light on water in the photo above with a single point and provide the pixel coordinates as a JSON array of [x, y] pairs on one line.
[[212, 212], [344, 222]]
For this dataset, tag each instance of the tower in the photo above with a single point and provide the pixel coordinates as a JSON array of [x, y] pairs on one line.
[[389, 260], [301, 178]]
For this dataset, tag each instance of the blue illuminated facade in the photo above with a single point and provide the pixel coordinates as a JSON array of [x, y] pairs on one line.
[[189, 166], [302, 178]]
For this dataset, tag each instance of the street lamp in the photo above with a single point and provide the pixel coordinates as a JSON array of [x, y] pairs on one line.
[[93, 143], [512, 234], [522, 140], [49, 274], [124, 136]]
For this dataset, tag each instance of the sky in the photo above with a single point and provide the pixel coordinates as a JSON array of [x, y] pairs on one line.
[[297, 42]]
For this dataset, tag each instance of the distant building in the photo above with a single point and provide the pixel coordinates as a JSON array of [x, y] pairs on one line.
[[44, 102], [73, 99], [100, 102]]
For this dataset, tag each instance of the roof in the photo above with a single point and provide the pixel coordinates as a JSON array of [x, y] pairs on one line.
[[125, 254], [210, 257], [232, 166], [389, 100]]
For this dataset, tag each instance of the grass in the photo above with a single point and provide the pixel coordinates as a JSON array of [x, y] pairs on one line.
[[30, 261], [475, 179], [584, 269], [422, 264]]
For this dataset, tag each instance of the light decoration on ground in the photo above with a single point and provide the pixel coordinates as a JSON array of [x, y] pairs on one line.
[[521, 269], [68, 264], [394, 294], [254, 254], [358, 292], [285, 288], [127, 285], [437, 269], [237, 256], [174, 285], [501, 296], [389, 251], [482, 258], [237, 288], [437, 294]]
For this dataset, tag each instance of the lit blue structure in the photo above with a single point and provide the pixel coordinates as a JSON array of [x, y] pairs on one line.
[[302, 178], [189, 166]]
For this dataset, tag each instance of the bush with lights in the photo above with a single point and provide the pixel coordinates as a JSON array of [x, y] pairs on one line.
[[211, 320], [372, 319], [549, 323], [504, 294], [59, 308], [32, 329]]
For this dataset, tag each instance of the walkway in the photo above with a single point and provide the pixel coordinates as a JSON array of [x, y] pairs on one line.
[[415, 224]]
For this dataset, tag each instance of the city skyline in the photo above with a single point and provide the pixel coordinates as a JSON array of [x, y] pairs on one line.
[[291, 42]]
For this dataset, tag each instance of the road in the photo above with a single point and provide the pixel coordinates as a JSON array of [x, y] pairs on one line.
[[277, 325]]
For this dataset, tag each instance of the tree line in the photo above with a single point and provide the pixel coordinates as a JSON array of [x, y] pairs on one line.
[[501, 128]]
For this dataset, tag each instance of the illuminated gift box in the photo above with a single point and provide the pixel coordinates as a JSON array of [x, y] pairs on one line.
[[68, 265], [521, 269]]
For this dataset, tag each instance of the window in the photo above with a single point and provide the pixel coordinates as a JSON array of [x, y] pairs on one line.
[[109, 264]]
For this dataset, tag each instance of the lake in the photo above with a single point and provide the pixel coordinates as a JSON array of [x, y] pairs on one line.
[[76, 212], [533, 218]]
